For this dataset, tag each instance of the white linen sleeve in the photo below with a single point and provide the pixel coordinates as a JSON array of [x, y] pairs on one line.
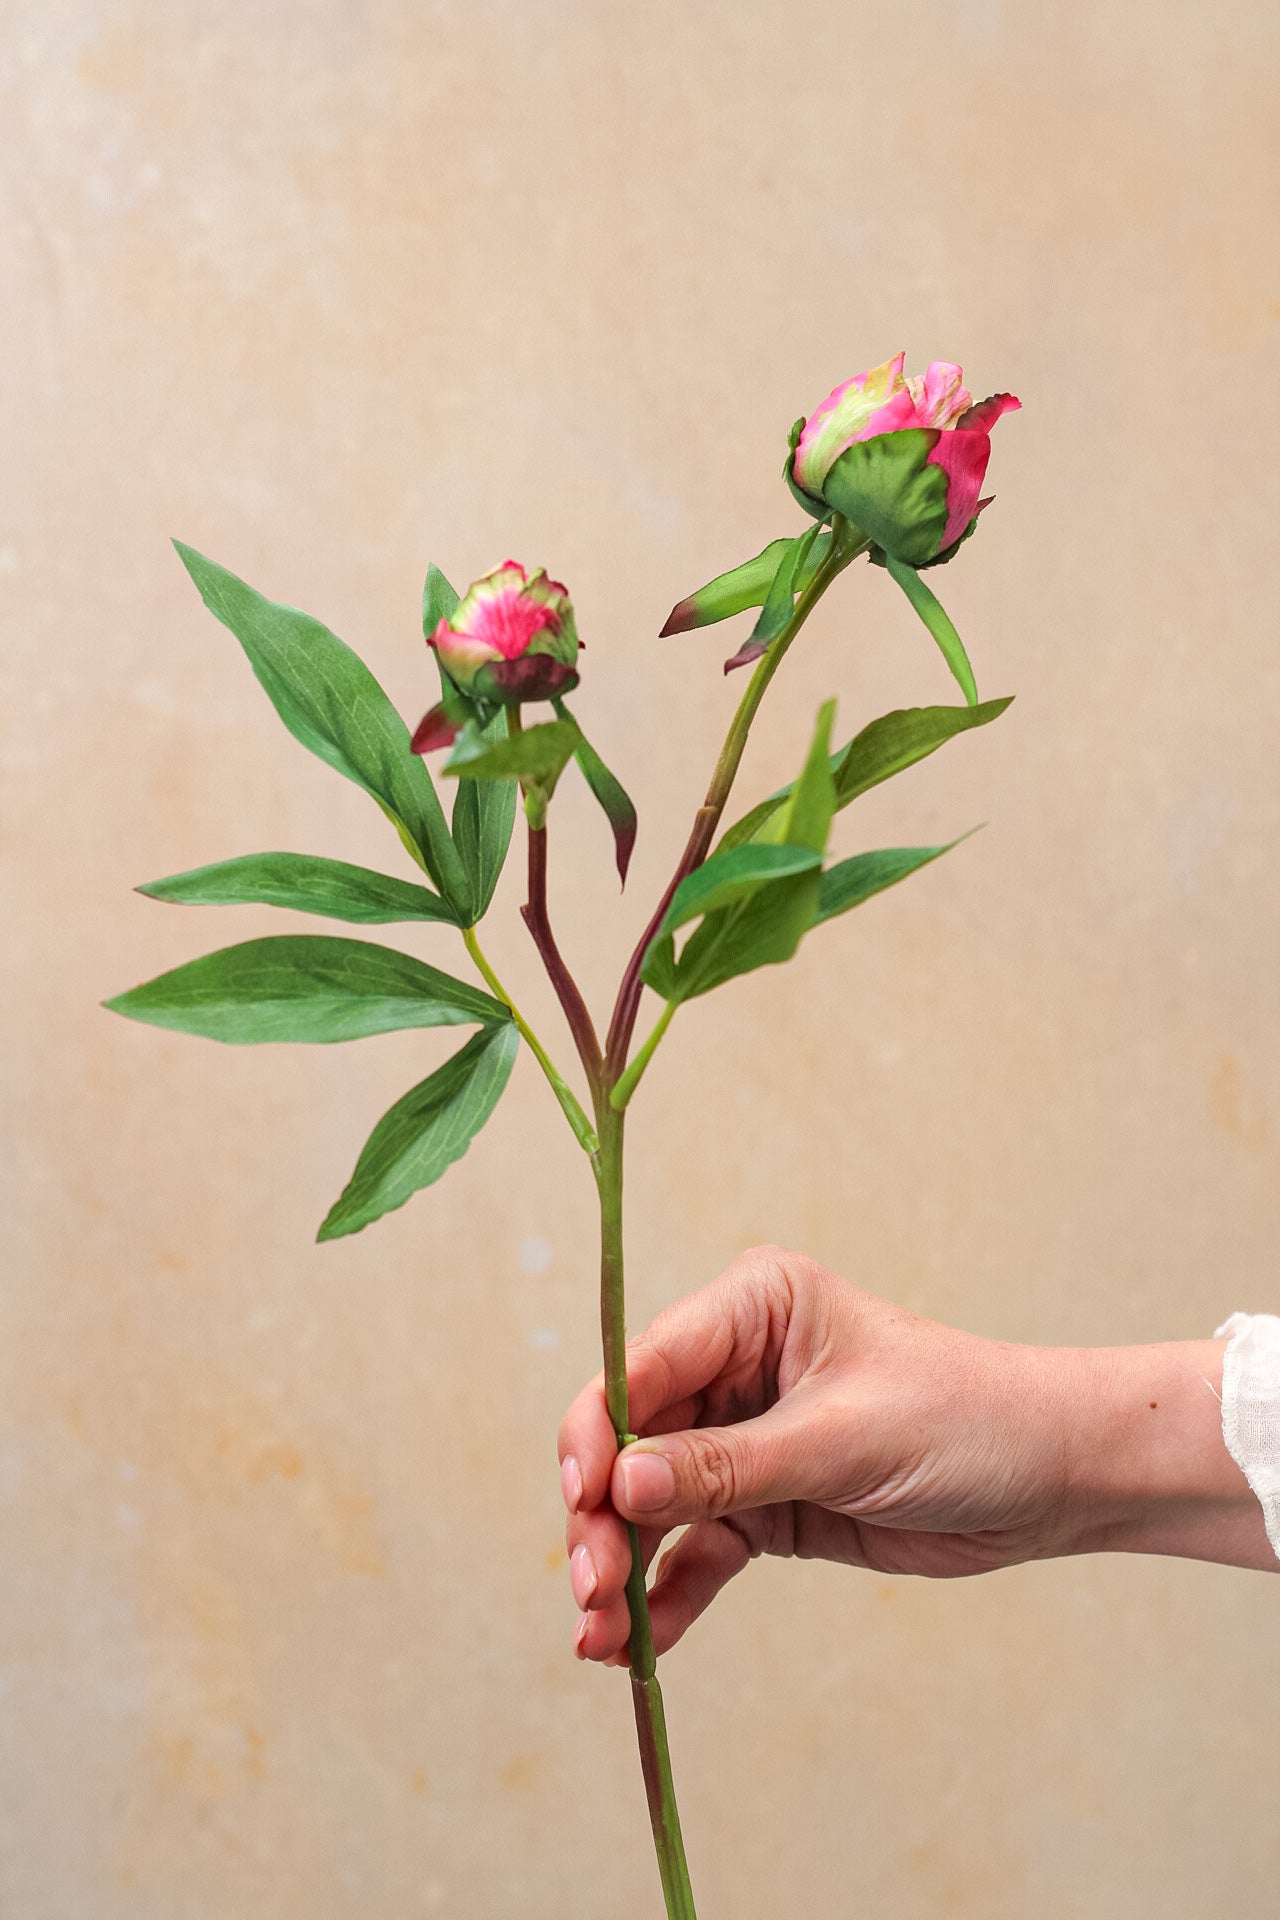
[[1251, 1407]]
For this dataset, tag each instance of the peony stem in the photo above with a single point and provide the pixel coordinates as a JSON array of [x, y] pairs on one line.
[[584, 1132], [646, 1695], [846, 545]]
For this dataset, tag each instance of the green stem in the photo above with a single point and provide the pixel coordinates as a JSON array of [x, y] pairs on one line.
[[846, 545], [630, 1079], [646, 1695], [584, 1132]]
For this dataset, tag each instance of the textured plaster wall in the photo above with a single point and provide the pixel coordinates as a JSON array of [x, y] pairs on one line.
[[331, 290]]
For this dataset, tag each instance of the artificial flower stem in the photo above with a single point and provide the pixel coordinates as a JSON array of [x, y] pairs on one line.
[[846, 545], [646, 1695], [584, 1132], [535, 916], [629, 1079]]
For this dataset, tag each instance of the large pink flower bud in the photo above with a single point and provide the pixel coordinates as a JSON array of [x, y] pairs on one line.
[[902, 458]]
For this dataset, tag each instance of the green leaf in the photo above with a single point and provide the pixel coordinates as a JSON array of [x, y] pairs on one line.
[[439, 600], [780, 603], [613, 797], [484, 813], [330, 701], [764, 918], [425, 1132], [850, 882], [743, 587], [935, 617], [306, 883], [729, 877], [885, 747], [305, 987], [537, 754], [888, 489]]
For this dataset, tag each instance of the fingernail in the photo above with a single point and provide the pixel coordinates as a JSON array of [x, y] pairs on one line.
[[580, 1635], [647, 1482], [583, 1577], [571, 1482]]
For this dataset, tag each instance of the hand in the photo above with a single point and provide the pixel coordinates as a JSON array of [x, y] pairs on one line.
[[782, 1410]]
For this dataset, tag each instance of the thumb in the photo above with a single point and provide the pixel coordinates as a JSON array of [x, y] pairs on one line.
[[676, 1478]]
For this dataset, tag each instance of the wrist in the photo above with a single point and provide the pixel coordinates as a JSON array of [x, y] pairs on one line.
[[1147, 1468]]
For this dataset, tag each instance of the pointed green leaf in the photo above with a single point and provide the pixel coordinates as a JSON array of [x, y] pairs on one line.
[[425, 1132], [935, 617], [330, 701], [764, 921], [305, 987], [439, 600], [730, 877], [484, 813], [613, 797], [780, 602], [743, 587], [885, 747], [539, 754], [307, 884], [850, 882]]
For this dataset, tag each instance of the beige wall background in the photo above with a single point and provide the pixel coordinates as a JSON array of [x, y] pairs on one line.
[[332, 290]]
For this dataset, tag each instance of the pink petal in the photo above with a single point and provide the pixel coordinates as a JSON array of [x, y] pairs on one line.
[[987, 412], [940, 394], [836, 423], [963, 458]]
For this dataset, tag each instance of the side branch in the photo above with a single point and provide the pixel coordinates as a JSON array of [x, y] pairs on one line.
[[534, 914]]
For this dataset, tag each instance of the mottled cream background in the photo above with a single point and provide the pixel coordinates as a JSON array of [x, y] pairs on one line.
[[332, 290]]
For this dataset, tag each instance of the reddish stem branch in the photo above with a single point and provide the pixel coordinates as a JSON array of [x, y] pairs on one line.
[[534, 915]]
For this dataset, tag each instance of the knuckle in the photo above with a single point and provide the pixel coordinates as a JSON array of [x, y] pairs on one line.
[[712, 1474]]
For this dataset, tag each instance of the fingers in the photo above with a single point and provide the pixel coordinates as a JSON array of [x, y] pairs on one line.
[[793, 1451], [689, 1578]]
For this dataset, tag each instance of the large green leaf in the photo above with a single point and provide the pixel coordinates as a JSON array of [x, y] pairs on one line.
[[885, 747], [330, 701], [744, 587], [766, 906], [730, 877], [305, 987], [484, 813], [425, 1132], [938, 621], [306, 883], [850, 882]]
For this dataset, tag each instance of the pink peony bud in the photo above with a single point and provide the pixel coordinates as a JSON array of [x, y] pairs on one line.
[[510, 638], [902, 457]]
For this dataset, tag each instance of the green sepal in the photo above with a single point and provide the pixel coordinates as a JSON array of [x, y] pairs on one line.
[[306, 883], [744, 587], [305, 987], [329, 700], [937, 620], [484, 813], [850, 882], [818, 508], [887, 746], [887, 488], [421, 1136]]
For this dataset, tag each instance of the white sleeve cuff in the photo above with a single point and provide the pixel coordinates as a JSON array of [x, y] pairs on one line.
[[1251, 1407]]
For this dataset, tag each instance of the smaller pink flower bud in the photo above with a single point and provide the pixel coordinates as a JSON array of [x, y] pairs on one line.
[[511, 638]]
